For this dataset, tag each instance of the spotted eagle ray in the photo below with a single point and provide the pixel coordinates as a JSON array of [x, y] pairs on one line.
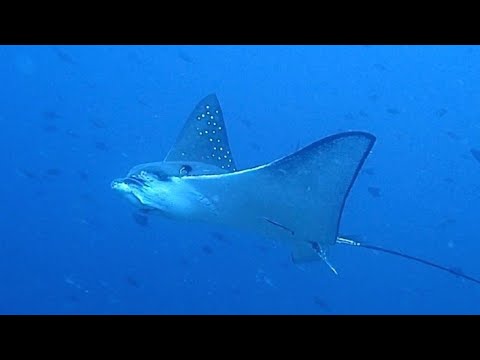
[[297, 200]]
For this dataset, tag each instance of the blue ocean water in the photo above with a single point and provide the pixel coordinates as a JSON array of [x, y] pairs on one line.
[[73, 118]]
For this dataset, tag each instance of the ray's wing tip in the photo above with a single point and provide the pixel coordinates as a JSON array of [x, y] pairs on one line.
[[357, 133], [212, 97], [369, 137]]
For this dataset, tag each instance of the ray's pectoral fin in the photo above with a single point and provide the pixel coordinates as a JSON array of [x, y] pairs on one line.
[[203, 137], [297, 199]]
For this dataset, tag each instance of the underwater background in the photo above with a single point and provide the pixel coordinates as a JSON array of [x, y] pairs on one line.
[[73, 118]]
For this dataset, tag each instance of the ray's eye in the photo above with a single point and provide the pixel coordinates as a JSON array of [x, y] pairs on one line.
[[185, 170]]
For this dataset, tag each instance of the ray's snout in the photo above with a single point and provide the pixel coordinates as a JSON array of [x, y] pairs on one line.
[[120, 184]]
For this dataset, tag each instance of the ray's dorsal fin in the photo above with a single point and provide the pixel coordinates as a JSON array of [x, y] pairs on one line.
[[204, 137]]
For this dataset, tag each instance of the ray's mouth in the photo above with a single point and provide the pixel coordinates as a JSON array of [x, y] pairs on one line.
[[124, 184]]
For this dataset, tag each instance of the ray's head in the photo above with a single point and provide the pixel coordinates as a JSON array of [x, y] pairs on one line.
[[144, 188], [160, 187]]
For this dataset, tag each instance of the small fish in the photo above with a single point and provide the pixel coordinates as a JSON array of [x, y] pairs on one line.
[[98, 123], [452, 135], [207, 249], [182, 54], [263, 249], [27, 174], [87, 197], [447, 222], [317, 300], [379, 67], [255, 146], [83, 175], [50, 128], [218, 236], [63, 56], [51, 115], [363, 114], [140, 219], [247, 123], [143, 103], [393, 111], [53, 172], [72, 134], [73, 298], [369, 171], [374, 191], [441, 112], [373, 97], [100, 145], [348, 117], [132, 282], [475, 154]]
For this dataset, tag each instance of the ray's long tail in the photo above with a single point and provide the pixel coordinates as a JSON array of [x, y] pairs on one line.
[[452, 271]]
